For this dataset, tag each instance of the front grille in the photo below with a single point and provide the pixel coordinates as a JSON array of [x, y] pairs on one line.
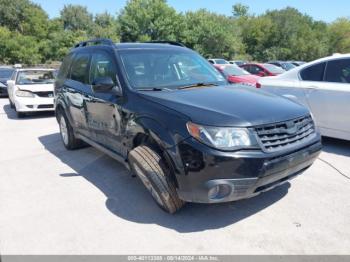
[[44, 94], [279, 136], [45, 106]]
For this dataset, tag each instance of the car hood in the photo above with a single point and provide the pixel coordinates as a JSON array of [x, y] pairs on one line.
[[37, 88], [228, 105]]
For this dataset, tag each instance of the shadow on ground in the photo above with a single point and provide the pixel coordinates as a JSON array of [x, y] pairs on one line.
[[11, 114], [336, 146], [128, 199]]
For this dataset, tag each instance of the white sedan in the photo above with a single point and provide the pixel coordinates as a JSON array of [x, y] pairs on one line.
[[324, 87], [31, 90]]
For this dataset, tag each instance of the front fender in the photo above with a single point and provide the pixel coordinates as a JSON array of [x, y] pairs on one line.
[[166, 137], [60, 104]]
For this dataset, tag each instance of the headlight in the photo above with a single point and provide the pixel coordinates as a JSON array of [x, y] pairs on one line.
[[225, 138], [21, 93]]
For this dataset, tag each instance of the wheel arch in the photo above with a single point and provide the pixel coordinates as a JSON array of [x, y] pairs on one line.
[[152, 133]]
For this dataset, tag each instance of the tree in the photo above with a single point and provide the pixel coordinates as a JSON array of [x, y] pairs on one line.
[[106, 26], [285, 34], [212, 35], [339, 32], [5, 36], [24, 17], [76, 17], [240, 10], [145, 20]]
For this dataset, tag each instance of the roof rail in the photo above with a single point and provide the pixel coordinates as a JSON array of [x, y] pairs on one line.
[[166, 42], [97, 41]]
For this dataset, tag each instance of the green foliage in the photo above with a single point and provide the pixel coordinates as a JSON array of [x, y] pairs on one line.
[[240, 10], [106, 26], [145, 20], [28, 36], [212, 35], [24, 17], [76, 18], [339, 32]]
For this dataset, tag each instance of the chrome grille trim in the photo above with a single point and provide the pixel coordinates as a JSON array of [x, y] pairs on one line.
[[279, 136]]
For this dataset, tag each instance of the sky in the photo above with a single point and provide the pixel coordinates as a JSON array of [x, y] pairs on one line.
[[325, 10]]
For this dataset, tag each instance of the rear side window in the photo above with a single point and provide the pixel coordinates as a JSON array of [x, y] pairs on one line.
[[63, 72], [80, 68], [338, 71], [313, 73]]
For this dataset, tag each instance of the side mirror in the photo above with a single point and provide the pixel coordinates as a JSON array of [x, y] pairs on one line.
[[103, 85]]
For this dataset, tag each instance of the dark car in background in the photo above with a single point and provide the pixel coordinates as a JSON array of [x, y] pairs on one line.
[[285, 65], [167, 114], [263, 69], [6, 74]]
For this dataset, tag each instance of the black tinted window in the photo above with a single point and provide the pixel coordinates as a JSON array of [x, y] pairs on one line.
[[102, 65], [65, 66], [313, 73], [338, 71], [6, 73], [255, 69], [79, 71]]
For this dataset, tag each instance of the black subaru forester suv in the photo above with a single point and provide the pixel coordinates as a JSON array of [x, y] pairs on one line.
[[167, 114]]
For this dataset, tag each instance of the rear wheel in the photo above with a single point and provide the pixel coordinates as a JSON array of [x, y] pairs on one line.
[[67, 133], [149, 166]]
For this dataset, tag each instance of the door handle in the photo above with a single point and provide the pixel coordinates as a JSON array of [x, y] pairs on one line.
[[311, 87]]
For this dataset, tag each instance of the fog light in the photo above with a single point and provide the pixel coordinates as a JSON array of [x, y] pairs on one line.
[[218, 192]]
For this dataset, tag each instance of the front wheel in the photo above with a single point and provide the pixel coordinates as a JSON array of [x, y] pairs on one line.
[[11, 104], [149, 167], [67, 134]]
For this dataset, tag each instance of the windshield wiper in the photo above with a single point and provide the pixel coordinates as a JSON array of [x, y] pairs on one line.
[[153, 89], [198, 85]]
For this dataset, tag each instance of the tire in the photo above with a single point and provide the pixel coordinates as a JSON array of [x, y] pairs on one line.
[[11, 104], [20, 114], [67, 134], [150, 168]]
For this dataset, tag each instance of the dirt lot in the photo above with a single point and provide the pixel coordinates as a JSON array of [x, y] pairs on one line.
[[57, 202]]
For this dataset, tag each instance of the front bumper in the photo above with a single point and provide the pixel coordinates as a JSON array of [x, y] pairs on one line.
[[3, 91], [35, 104], [213, 176]]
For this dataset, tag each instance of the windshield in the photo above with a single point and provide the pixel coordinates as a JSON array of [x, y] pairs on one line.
[[168, 69], [234, 71], [274, 69], [6, 73], [32, 77], [221, 62]]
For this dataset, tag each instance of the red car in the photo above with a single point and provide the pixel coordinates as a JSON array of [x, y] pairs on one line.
[[235, 75], [263, 69]]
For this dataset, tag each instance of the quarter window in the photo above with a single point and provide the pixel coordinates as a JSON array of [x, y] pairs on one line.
[[65, 66], [313, 73], [79, 71], [338, 71]]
